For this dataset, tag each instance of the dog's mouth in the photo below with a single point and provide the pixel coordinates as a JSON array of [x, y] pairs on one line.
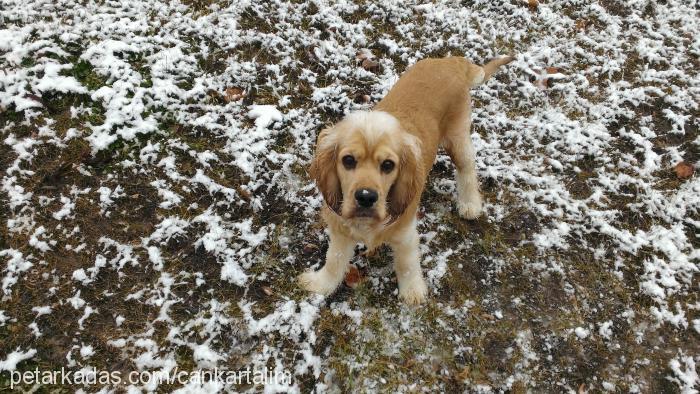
[[364, 213]]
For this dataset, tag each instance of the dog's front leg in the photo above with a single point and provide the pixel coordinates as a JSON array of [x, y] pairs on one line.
[[327, 279], [412, 288]]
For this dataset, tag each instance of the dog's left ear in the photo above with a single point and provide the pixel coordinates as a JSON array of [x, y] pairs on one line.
[[408, 184]]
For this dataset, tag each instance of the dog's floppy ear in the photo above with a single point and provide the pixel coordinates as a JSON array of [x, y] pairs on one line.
[[323, 169], [408, 182]]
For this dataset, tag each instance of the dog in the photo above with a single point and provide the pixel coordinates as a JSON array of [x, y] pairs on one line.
[[372, 166]]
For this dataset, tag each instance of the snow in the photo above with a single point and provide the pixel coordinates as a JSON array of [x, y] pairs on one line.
[[36, 242], [86, 314], [107, 197], [605, 329], [86, 351], [42, 310], [16, 263], [285, 319], [205, 356], [343, 308], [51, 81], [264, 115], [685, 374], [65, 211], [581, 332], [14, 358], [80, 275], [170, 198]]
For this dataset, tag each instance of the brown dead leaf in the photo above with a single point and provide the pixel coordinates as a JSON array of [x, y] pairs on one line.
[[244, 193], [353, 277], [464, 374], [370, 65], [309, 248], [533, 4], [582, 388], [542, 77], [362, 99], [234, 94], [684, 170]]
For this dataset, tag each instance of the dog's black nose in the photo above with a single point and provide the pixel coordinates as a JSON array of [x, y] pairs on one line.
[[366, 197]]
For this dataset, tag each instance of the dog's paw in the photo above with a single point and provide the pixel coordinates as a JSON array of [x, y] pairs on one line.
[[470, 209], [414, 292], [317, 282]]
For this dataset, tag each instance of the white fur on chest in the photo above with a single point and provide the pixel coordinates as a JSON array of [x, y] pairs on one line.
[[367, 233]]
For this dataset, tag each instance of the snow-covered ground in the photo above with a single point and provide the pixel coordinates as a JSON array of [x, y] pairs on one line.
[[155, 205]]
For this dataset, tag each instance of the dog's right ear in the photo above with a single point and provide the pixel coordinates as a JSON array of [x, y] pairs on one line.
[[323, 169]]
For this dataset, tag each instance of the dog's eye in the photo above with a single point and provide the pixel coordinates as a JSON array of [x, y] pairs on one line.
[[349, 162], [387, 166]]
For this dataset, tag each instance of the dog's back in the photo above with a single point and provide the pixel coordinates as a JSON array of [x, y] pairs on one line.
[[433, 90], [434, 84]]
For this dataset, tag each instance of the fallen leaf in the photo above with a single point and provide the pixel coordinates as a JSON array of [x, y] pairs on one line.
[[464, 373], [542, 78], [234, 94], [353, 277], [244, 193], [533, 4], [362, 99], [309, 248], [267, 290], [582, 388], [370, 65], [684, 170]]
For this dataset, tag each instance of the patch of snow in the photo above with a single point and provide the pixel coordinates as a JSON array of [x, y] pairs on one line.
[[264, 115], [581, 332], [685, 374], [15, 357]]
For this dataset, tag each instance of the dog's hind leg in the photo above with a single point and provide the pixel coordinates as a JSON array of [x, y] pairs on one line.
[[458, 144], [327, 279]]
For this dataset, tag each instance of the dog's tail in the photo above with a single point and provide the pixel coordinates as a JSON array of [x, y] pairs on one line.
[[481, 74]]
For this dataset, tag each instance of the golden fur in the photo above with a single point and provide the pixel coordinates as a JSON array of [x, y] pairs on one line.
[[428, 107]]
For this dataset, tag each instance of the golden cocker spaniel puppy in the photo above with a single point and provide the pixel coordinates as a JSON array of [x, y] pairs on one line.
[[372, 166]]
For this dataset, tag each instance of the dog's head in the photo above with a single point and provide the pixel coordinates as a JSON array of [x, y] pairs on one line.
[[367, 167]]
